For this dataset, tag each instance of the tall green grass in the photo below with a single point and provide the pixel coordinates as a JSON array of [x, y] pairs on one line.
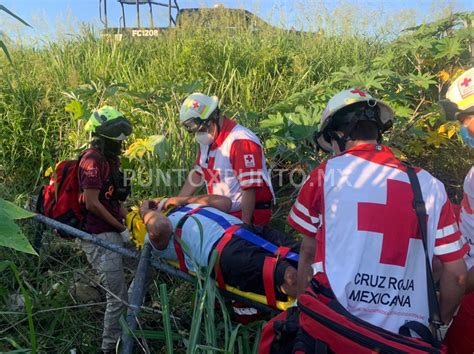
[[249, 72]]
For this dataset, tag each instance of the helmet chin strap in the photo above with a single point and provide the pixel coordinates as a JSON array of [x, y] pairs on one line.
[[340, 141], [216, 121], [218, 127]]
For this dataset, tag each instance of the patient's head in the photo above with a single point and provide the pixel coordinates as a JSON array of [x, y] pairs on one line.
[[159, 229]]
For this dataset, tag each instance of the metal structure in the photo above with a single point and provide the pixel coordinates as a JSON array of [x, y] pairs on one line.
[[170, 5]]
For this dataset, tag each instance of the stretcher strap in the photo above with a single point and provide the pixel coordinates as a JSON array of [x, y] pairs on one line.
[[269, 268], [179, 251], [242, 233], [269, 280], [178, 233], [193, 211], [282, 252], [219, 248]]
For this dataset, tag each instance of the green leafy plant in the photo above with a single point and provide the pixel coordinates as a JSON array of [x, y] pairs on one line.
[[10, 234]]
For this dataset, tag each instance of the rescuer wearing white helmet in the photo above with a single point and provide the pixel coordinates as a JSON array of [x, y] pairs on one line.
[[459, 105], [368, 109], [355, 212], [230, 160]]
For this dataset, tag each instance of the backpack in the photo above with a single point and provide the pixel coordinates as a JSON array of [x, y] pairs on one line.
[[60, 199], [279, 334], [320, 324]]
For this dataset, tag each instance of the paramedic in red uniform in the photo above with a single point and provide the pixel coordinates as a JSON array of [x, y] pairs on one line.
[[459, 105], [360, 231], [230, 160]]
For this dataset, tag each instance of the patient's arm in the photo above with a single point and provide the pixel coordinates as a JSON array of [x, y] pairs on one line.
[[216, 201]]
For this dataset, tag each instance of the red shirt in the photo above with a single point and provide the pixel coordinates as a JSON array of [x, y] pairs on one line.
[[94, 173]]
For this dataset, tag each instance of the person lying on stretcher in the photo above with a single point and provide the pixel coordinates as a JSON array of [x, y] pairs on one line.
[[203, 225]]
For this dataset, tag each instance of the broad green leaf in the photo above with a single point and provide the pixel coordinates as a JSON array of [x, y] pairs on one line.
[[422, 80], [273, 121], [86, 89], [12, 237], [160, 146], [75, 108], [465, 33], [271, 143], [448, 48], [402, 111], [125, 164], [366, 81], [10, 211], [301, 132], [420, 44], [147, 96], [187, 88]]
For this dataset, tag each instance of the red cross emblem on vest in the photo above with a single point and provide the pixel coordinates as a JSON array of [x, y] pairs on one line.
[[396, 221], [466, 82], [359, 92]]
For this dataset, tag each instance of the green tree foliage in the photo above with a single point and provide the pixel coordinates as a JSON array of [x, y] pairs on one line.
[[411, 74]]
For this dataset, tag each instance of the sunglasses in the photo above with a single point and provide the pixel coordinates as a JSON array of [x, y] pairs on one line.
[[195, 125]]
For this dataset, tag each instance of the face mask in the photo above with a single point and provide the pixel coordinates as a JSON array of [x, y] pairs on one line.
[[468, 139], [112, 147], [204, 138]]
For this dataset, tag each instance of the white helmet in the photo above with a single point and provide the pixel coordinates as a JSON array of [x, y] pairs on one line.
[[346, 98], [198, 106], [460, 96]]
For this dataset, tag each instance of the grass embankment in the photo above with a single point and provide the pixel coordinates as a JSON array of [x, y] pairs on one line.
[[282, 77]]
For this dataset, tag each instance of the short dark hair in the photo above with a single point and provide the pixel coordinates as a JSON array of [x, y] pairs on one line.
[[365, 130]]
